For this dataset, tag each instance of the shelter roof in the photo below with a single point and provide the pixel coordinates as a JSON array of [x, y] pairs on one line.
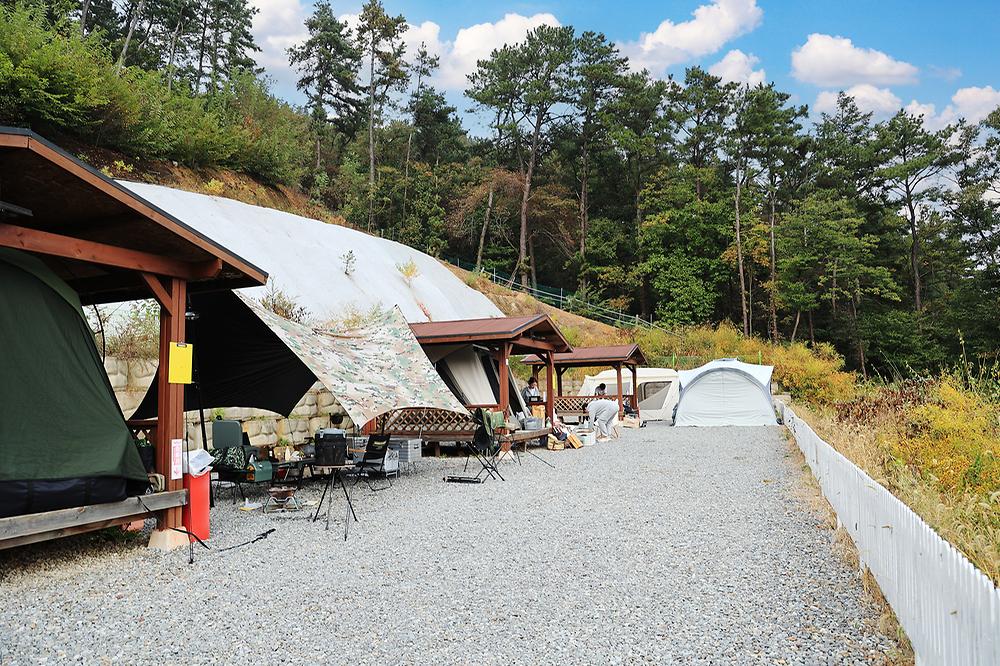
[[594, 356], [97, 235], [534, 332]]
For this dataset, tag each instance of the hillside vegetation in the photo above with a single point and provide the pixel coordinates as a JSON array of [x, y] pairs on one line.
[[689, 201]]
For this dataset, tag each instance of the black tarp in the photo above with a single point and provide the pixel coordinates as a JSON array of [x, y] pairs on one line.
[[238, 361]]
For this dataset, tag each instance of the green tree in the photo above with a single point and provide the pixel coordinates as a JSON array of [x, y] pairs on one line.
[[527, 85], [328, 63], [913, 158], [381, 39], [600, 72]]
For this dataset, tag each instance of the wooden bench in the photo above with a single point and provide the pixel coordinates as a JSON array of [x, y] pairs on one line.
[[34, 527]]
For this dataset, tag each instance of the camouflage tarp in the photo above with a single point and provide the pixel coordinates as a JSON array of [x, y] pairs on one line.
[[371, 369]]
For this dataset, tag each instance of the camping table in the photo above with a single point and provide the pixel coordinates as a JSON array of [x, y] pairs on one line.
[[298, 465], [337, 474]]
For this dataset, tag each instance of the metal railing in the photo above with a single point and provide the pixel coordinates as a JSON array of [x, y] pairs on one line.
[[559, 298]]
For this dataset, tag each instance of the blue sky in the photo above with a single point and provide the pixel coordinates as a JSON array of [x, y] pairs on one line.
[[941, 59]]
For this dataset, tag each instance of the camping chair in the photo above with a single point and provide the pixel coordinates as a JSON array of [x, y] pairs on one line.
[[373, 461], [483, 448], [234, 457]]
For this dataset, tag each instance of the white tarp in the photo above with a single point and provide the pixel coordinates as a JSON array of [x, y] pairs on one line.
[[726, 392], [370, 369], [470, 378], [305, 259]]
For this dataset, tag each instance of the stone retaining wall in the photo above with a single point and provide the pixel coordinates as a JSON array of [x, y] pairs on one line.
[[131, 379]]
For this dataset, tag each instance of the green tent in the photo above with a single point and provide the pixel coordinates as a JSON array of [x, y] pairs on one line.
[[63, 440]]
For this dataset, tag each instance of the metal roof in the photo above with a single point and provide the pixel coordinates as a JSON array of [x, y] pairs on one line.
[[594, 356], [521, 331]]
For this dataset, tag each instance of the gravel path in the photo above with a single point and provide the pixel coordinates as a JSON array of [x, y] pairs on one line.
[[668, 546]]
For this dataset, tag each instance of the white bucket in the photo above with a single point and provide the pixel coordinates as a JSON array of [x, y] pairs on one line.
[[588, 437]]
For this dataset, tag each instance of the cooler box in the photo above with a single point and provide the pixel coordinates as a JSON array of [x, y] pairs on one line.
[[194, 514]]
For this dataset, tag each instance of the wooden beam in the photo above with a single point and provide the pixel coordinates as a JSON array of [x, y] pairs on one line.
[[635, 388], [559, 375], [621, 402], [43, 242], [170, 397], [145, 209], [160, 292], [550, 389], [19, 530], [504, 377], [13, 141], [530, 343]]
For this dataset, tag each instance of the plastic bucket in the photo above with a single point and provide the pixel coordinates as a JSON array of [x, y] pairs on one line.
[[194, 514]]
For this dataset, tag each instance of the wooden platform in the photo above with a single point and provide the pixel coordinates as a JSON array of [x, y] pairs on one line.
[[34, 527]]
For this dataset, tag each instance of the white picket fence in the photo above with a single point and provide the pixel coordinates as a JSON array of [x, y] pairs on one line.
[[949, 609]]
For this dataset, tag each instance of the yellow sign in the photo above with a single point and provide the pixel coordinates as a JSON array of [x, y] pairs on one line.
[[179, 360]]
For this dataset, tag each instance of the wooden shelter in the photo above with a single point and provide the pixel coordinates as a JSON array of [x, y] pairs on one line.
[[503, 336], [614, 356], [111, 245]]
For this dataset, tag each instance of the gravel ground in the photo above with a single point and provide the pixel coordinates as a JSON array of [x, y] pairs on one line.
[[668, 546]]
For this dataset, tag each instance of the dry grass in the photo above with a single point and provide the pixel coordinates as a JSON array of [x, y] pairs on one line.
[[966, 516]]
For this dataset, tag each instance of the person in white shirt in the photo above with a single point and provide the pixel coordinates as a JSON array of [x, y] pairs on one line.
[[602, 415]]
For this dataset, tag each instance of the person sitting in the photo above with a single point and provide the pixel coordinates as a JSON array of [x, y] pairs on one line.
[[602, 389], [602, 415], [531, 391]]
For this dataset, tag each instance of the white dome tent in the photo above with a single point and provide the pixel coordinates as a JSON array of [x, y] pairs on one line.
[[726, 392]]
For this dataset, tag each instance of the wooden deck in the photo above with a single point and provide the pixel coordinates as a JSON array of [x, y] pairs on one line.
[[34, 527]]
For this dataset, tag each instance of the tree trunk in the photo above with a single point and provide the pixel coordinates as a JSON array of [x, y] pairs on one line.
[[201, 47], [812, 332], [371, 137], [771, 306], [739, 260], [128, 37], [914, 252], [584, 192], [486, 224], [529, 172], [857, 336], [795, 328], [531, 261], [173, 51], [406, 171], [83, 17]]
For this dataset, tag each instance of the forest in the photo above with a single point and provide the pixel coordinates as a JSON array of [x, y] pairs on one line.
[[683, 201]]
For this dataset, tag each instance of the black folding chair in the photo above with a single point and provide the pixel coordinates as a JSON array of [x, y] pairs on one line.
[[484, 448], [373, 461]]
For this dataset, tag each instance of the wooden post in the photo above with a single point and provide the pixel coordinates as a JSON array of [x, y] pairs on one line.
[[621, 402], [635, 388], [504, 376], [170, 397], [559, 385], [550, 387]]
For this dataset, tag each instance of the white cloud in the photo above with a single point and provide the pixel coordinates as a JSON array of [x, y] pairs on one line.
[[946, 73], [738, 67], [830, 61], [972, 103], [279, 25], [476, 42], [880, 101], [710, 27]]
